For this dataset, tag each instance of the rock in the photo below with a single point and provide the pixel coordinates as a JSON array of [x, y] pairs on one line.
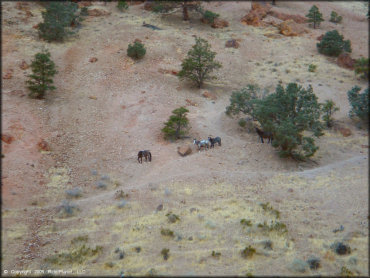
[[298, 266], [93, 97], [160, 207], [98, 12], [295, 17], [93, 60], [24, 65], [319, 38], [345, 61], [232, 43], [43, 145], [313, 263], [340, 229], [345, 131], [82, 4], [290, 28], [36, 26], [138, 40], [209, 95], [219, 23], [7, 138], [340, 248], [184, 150], [256, 14], [148, 5], [192, 103], [8, 75]]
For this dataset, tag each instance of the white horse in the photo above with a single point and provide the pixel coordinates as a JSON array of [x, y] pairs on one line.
[[202, 143]]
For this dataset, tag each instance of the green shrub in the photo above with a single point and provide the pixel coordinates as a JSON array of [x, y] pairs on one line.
[[248, 252], [242, 123], [312, 68], [40, 81], [199, 63], [334, 17], [137, 50], [176, 126], [246, 222], [167, 232], [58, 17], [122, 5], [333, 44], [84, 11], [314, 16], [359, 102], [328, 109], [165, 253], [210, 16], [216, 254], [362, 67]]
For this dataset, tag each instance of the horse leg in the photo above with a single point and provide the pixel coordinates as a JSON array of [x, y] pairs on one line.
[[261, 139]]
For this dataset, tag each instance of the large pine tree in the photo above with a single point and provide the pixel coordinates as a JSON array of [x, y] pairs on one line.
[[314, 16], [40, 81]]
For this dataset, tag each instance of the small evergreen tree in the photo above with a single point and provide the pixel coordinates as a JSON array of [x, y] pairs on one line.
[[122, 5], [335, 18], [40, 81], [329, 108], [137, 50], [210, 16], [362, 67], [314, 16], [199, 63], [176, 126], [58, 17], [333, 44], [359, 102]]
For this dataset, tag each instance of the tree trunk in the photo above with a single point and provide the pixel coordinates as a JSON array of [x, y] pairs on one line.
[[185, 11]]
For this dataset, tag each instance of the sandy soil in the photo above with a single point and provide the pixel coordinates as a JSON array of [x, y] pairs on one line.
[[103, 113]]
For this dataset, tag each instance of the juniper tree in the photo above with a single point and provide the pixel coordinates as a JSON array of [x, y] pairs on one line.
[[58, 17], [333, 44], [314, 16], [199, 63], [176, 125], [291, 114], [334, 17], [362, 67], [329, 108], [40, 81], [171, 6], [137, 50], [359, 102]]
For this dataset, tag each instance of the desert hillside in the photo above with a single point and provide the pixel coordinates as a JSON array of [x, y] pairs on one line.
[[81, 202]]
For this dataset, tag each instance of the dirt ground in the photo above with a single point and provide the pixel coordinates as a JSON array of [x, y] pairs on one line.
[[103, 113]]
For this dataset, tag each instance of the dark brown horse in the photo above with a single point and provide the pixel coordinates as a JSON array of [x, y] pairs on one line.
[[146, 154], [262, 134]]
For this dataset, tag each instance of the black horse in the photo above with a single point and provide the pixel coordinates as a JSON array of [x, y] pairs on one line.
[[146, 154], [214, 140], [264, 134]]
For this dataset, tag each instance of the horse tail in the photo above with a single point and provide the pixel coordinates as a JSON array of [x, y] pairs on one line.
[[220, 141], [150, 156]]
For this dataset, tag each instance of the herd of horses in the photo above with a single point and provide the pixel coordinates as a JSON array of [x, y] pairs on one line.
[[206, 144]]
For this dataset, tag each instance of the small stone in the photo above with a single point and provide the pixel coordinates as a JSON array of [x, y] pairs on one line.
[[190, 238], [232, 43], [138, 249], [94, 172], [184, 150], [43, 145], [160, 207], [93, 60], [7, 138], [24, 65], [105, 178]]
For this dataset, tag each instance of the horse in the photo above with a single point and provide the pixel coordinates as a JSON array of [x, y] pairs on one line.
[[214, 140], [202, 143], [146, 154], [262, 134]]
